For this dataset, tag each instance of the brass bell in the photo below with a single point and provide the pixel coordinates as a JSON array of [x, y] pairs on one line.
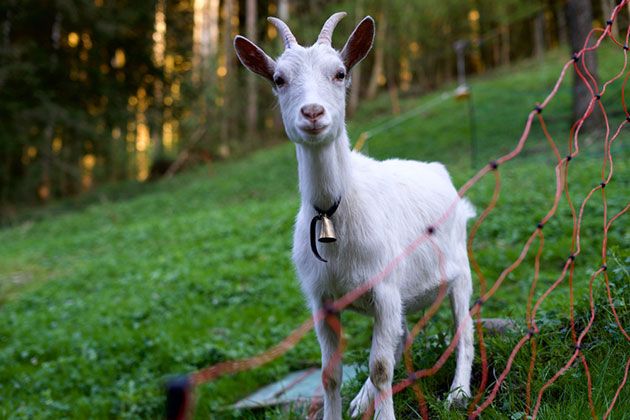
[[327, 231]]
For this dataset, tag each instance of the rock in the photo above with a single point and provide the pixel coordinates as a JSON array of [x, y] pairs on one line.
[[495, 326]]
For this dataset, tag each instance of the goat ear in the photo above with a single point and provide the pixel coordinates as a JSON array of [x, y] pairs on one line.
[[359, 43], [254, 58]]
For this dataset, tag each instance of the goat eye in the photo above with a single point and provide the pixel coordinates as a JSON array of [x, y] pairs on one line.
[[279, 81], [340, 75]]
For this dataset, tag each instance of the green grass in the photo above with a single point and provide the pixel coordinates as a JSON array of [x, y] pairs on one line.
[[101, 303]]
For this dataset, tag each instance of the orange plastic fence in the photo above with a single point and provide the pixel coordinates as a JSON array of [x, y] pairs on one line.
[[483, 397]]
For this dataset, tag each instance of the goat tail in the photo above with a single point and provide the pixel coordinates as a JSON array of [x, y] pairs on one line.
[[465, 209]]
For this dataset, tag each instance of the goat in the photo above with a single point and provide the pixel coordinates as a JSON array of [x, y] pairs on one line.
[[378, 209]]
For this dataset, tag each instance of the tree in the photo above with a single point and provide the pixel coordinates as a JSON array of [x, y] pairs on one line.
[[226, 103], [251, 11], [539, 34], [90, 87], [579, 21], [67, 70]]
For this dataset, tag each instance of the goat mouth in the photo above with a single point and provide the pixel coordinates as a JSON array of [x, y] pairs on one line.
[[314, 130]]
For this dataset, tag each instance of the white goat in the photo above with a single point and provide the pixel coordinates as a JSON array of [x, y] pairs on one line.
[[382, 208]]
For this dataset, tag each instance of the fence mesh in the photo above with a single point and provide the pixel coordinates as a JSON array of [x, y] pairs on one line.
[[180, 391]]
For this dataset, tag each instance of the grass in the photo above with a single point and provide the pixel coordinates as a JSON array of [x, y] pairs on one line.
[[102, 303]]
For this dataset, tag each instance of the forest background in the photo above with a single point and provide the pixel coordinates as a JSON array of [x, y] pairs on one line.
[[98, 91]]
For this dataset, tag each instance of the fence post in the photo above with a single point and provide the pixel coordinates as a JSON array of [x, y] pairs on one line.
[[178, 398], [463, 93]]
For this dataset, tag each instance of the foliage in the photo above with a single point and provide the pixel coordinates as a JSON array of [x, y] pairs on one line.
[[74, 115], [67, 69]]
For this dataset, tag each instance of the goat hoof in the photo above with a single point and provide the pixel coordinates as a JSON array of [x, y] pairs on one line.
[[362, 401], [457, 399]]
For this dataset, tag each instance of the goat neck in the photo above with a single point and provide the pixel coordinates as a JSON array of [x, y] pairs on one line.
[[324, 171]]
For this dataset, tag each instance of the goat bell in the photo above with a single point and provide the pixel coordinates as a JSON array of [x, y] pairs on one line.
[[327, 231]]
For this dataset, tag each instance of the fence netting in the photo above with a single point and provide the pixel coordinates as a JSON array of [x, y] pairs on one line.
[[180, 391]]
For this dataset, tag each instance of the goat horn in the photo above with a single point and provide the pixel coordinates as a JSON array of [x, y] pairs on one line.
[[325, 36], [287, 37]]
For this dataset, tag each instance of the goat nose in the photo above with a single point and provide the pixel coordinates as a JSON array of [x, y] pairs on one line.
[[312, 111]]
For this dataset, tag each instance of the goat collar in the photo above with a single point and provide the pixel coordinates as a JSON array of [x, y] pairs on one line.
[[327, 233]]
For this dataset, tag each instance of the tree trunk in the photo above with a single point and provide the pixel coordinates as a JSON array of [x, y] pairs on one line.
[[475, 53], [579, 21], [449, 64], [72, 182], [392, 89], [423, 78], [124, 154], [199, 40], [607, 8], [209, 92], [112, 159], [205, 37], [379, 58], [392, 86], [251, 10], [283, 10], [5, 178], [561, 22], [45, 184], [213, 27], [226, 120], [539, 35], [505, 45], [355, 88], [496, 52], [156, 119], [206, 31]]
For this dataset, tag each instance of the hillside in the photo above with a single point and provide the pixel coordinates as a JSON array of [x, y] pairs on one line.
[[101, 303]]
